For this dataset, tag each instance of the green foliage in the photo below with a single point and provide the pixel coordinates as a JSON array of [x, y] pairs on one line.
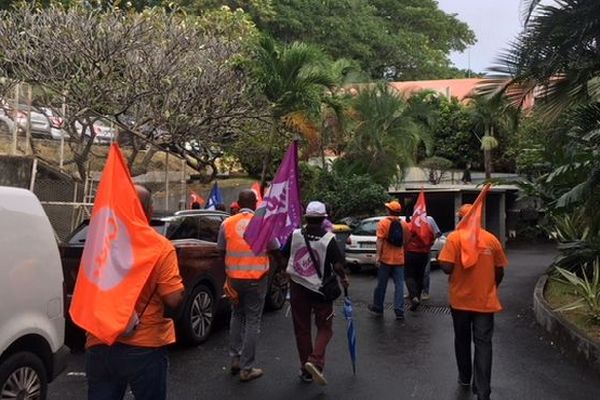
[[385, 135], [587, 288], [252, 148], [346, 194], [436, 168], [395, 39]]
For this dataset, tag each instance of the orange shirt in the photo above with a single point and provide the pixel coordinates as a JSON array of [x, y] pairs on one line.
[[154, 329], [474, 289], [390, 254]]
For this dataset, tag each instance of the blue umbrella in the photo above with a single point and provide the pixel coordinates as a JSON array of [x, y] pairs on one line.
[[351, 331]]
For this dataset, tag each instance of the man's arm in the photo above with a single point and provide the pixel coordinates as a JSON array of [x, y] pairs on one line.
[[221, 242], [169, 283], [338, 267], [173, 300], [447, 268], [378, 251]]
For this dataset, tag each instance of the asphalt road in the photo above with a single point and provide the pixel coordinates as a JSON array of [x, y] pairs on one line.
[[410, 360]]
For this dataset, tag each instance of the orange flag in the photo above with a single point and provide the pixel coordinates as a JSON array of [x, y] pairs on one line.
[[469, 229], [419, 224], [120, 252], [196, 198]]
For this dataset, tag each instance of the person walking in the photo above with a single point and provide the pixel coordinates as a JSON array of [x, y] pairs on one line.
[[437, 233], [308, 246], [474, 300], [392, 235], [247, 275], [139, 358], [417, 261]]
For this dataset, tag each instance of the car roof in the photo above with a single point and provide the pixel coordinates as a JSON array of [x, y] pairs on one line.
[[200, 212], [379, 218]]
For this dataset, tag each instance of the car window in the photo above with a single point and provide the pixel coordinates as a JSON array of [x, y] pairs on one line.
[[366, 228], [183, 228], [208, 227], [78, 237]]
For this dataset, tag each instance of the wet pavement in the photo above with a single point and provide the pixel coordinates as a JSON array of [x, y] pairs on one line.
[[409, 360]]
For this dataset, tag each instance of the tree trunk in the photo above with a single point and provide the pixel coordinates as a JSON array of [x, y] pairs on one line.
[[487, 162]]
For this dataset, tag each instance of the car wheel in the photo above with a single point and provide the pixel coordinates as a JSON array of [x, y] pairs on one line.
[[23, 376], [4, 128], [354, 268], [199, 315], [278, 289]]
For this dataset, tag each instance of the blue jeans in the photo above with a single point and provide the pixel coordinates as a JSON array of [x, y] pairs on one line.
[[383, 275], [110, 369]]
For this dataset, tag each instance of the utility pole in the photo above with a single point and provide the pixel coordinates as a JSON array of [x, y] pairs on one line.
[[62, 131], [28, 130], [15, 125]]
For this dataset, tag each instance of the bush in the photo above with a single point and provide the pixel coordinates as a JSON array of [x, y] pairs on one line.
[[346, 195], [436, 168]]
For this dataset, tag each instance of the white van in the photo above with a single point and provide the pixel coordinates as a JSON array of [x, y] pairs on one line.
[[32, 323]]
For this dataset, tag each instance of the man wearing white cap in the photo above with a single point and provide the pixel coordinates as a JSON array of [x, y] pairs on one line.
[[313, 256]]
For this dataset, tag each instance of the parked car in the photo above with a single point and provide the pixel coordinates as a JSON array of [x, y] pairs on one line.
[[361, 245], [104, 132], [194, 236], [56, 124], [40, 125], [32, 323]]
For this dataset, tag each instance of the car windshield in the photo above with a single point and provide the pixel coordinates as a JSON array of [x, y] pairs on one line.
[[366, 228]]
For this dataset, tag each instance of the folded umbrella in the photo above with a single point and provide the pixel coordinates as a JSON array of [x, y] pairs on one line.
[[350, 330]]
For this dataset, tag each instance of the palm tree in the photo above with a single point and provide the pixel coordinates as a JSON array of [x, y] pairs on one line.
[[489, 117], [293, 78], [385, 135]]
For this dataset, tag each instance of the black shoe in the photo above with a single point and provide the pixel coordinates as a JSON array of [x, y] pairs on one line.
[[305, 376], [399, 317], [374, 311], [414, 304]]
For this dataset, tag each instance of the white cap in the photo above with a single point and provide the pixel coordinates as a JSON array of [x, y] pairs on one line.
[[315, 209]]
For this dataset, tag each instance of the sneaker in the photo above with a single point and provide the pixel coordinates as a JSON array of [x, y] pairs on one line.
[[406, 295], [425, 296], [235, 366], [399, 317], [374, 311], [305, 376], [414, 304], [463, 384], [247, 375], [316, 373]]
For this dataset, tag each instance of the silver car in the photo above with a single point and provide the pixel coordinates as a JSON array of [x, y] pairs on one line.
[[39, 123], [361, 245]]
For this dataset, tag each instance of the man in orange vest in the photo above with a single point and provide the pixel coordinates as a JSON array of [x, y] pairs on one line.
[[474, 300], [139, 358], [247, 274]]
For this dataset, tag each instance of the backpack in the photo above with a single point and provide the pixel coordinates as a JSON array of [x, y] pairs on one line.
[[396, 233]]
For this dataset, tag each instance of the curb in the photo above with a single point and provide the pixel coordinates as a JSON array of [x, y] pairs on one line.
[[563, 331]]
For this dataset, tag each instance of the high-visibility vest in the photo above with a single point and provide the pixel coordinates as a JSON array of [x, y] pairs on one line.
[[240, 261]]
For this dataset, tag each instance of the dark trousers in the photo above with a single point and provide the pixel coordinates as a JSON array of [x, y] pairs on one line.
[[479, 328], [415, 264], [110, 369], [304, 302]]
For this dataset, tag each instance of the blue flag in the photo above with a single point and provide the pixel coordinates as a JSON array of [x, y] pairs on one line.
[[214, 198]]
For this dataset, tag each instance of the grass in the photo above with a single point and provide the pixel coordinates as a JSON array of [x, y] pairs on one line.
[[559, 294]]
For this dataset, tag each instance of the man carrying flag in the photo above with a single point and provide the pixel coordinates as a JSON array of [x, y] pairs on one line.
[[247, 277], [128, 274], [196, 201], [424, 231], [475, 260]]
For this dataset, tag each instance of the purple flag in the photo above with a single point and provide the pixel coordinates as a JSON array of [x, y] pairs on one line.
[[281, 211]]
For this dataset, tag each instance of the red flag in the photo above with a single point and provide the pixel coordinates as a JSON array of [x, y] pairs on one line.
[[196, 198], [419, 225], [259, 197], [119, 254], [469, 229]]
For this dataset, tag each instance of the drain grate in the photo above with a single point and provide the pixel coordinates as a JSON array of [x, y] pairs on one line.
[[423, 308]]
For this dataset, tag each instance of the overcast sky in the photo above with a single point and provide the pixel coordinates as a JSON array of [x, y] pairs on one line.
[[495, 23]]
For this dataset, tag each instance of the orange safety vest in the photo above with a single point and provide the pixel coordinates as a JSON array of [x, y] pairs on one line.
[[240, 261]]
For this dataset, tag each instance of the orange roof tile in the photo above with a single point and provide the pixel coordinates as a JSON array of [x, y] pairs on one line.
[[459, 88]]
